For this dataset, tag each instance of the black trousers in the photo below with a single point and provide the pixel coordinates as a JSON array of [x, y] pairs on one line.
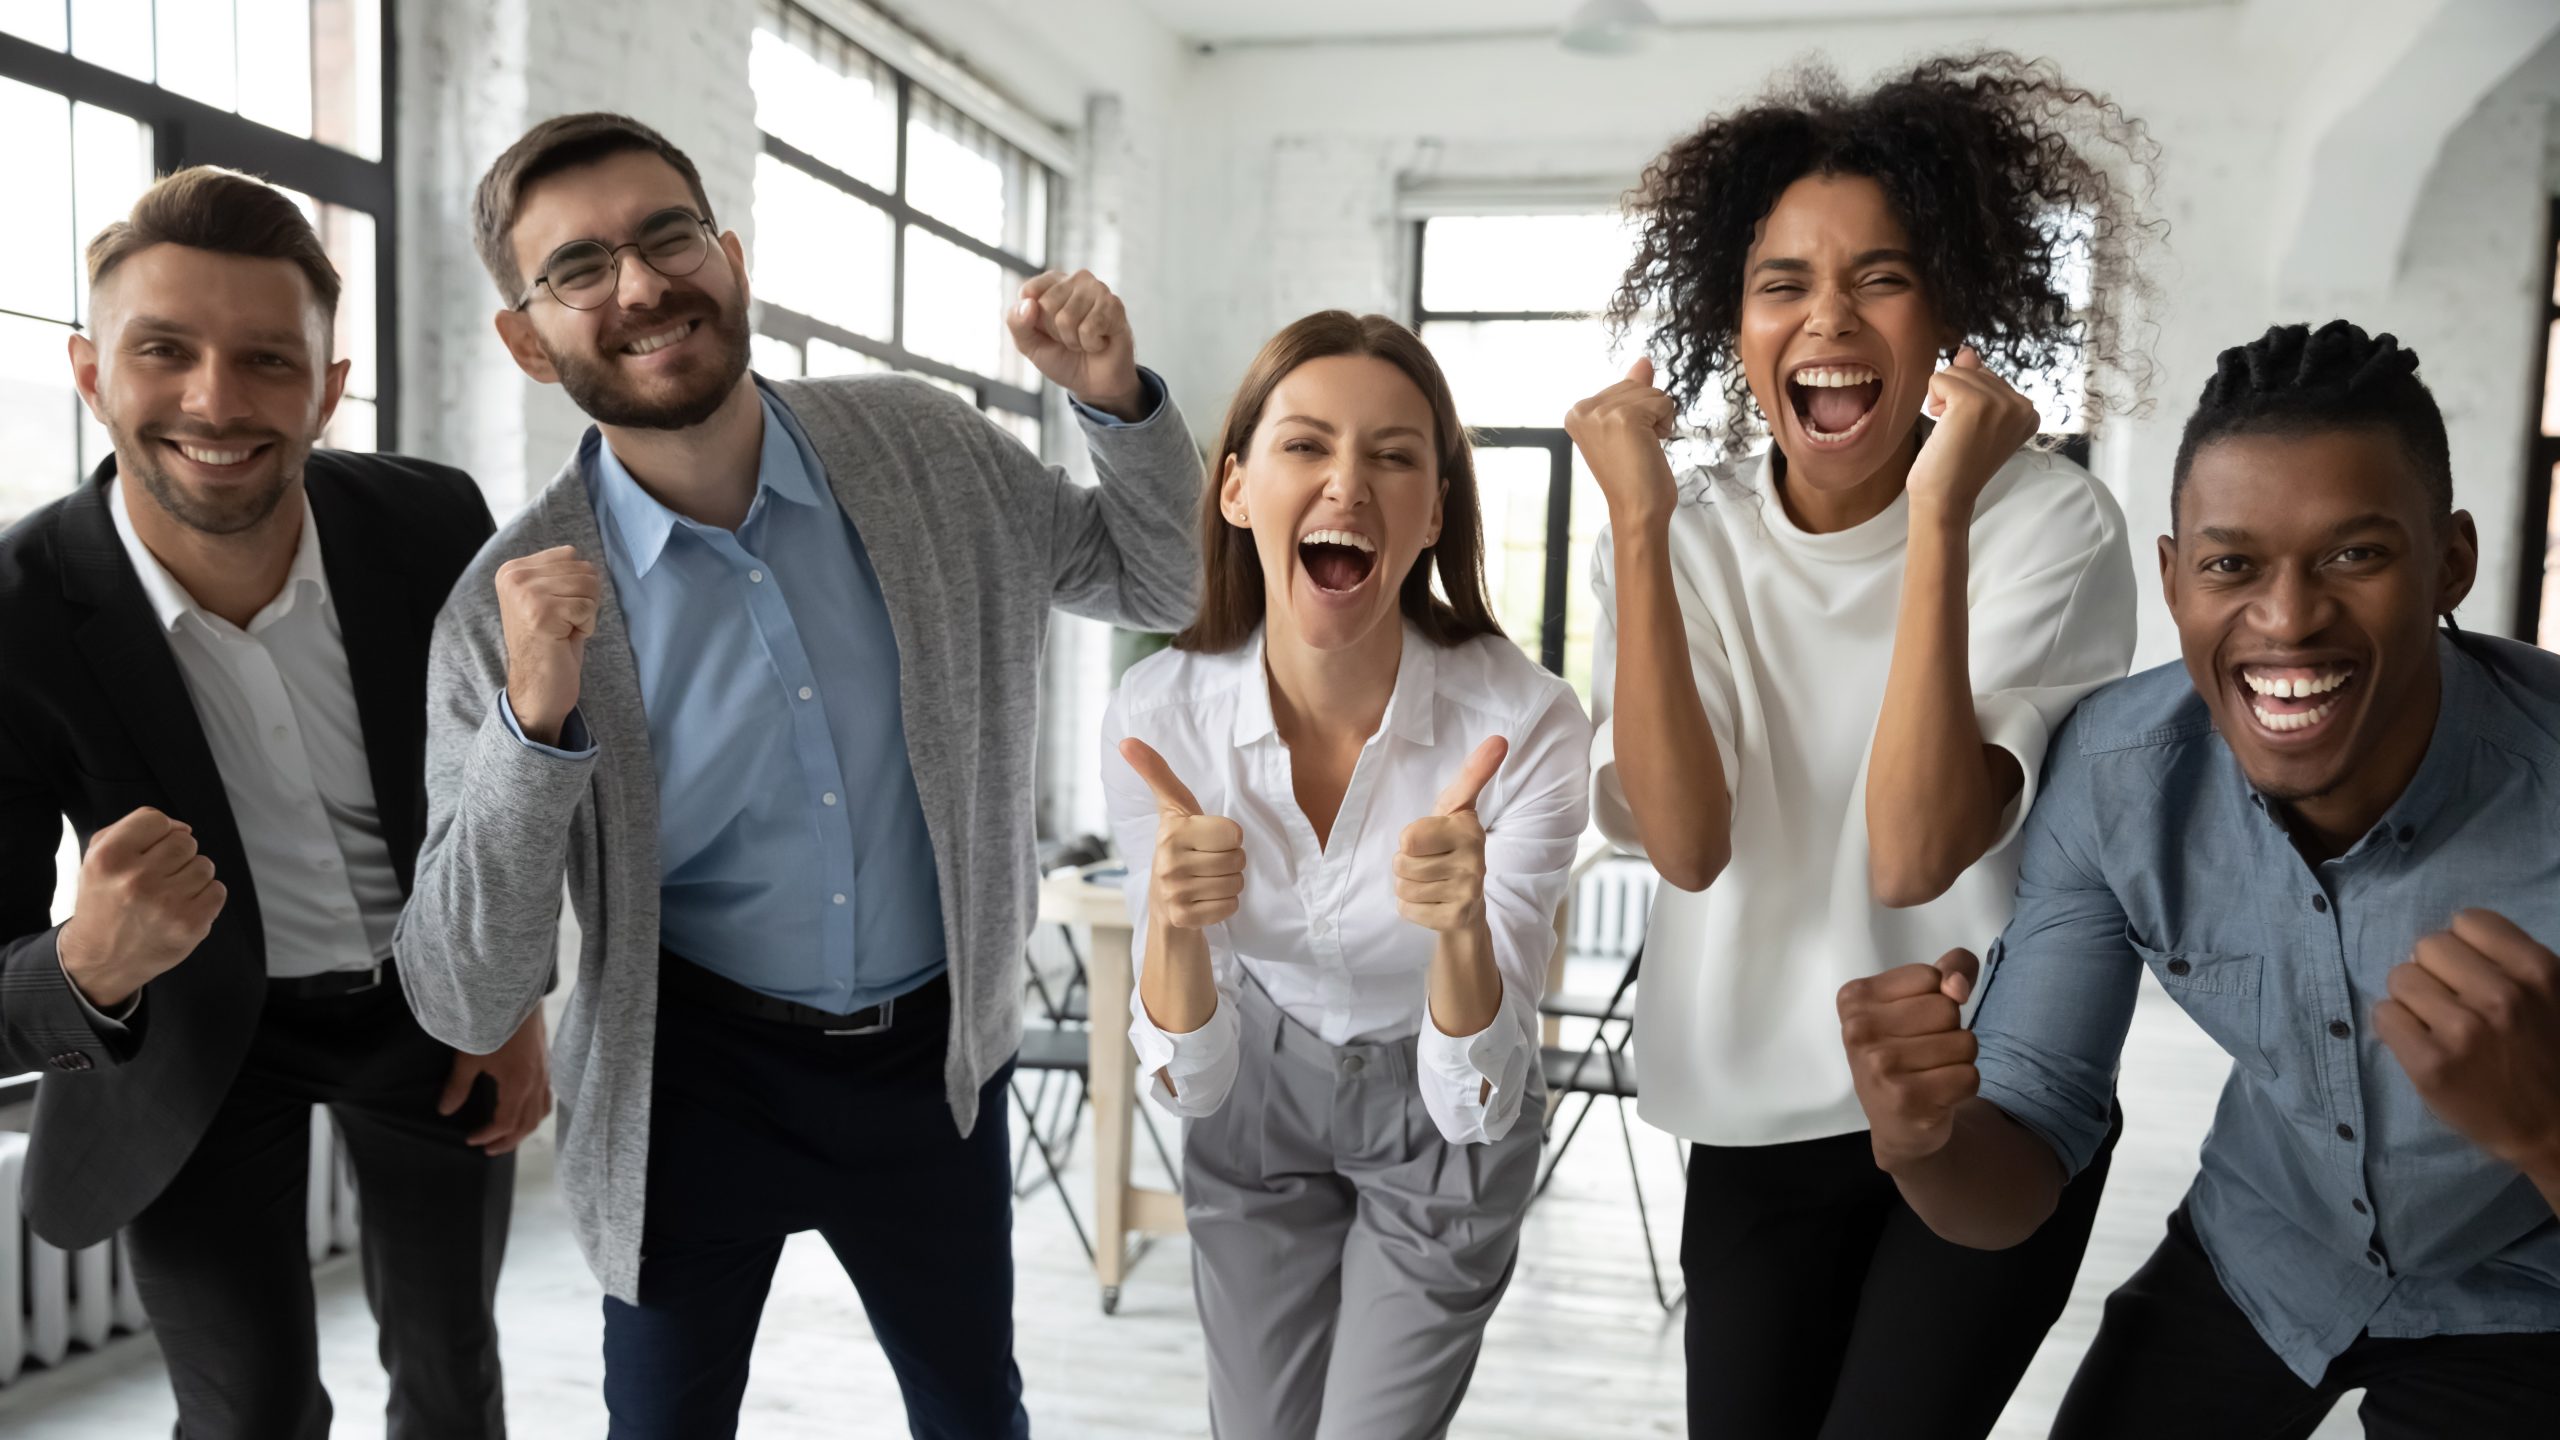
[[2175, 1356], [759, 1129], [220, 1257], [1821, 1305]]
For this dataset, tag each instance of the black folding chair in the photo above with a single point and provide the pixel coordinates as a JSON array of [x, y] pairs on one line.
[[1056, 1047]]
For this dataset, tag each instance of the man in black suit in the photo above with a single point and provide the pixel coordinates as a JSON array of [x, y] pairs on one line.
[[213, 661]]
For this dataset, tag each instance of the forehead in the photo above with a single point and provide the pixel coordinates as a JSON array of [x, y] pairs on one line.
[[2296, 487], [604, 199], [1829, 214], [1350, 392], [211, 294]]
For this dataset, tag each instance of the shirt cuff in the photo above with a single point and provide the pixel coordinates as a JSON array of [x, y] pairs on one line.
[[2011, 722], [1191, 1059], [1456, 1070], [1151, 397], [109, 1026], [575, 744]]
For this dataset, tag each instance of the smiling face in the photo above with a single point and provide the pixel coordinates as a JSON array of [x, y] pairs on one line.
[[658, 353], [211, 373], [1836, 338], [1340, 485], [2305, 578]]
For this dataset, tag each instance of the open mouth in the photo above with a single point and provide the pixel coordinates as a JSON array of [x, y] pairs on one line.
[[658, 340], [1834, 404], [229, 456], [1337, 562], [2295, 701]]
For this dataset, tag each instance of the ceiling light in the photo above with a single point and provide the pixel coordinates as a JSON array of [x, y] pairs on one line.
[[1609, 27]]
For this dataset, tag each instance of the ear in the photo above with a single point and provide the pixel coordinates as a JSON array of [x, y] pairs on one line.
[[737, 254], [516, 329], [334, 389], [2461, 562], [2169, 570], [1439, 513], [84, 373], [1231, 493]]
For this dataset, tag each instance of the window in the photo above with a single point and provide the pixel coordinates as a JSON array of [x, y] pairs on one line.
[[2538, 578], [98, 96], [892, 230]]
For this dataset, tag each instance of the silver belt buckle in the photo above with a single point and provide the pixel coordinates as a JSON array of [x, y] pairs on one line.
[[372, 980], [888, 1016]]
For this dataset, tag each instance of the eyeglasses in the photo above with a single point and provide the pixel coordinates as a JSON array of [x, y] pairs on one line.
[[584, 273]]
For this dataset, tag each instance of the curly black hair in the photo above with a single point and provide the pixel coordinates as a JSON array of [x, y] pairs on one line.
[[1990, 161], [2295, 380]]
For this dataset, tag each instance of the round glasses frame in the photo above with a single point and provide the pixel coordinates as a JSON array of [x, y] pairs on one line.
[[698, 231]]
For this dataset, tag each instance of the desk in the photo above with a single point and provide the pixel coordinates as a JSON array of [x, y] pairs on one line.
[[1119, 1207]]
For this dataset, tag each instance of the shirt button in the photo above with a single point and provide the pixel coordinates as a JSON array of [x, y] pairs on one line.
[[2339, 1029], [755, 577], [2346, 1132], [2408, 833], [2373, 1257], [829, 797], [839, 897], [1353, 1064], [2320, 903], [2179, 967], [806, 692], [2359, 1207]]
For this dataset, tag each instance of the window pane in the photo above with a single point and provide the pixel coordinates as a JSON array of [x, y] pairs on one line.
[[955, 309], [113, 33], [348, 236], [111, 167], [1523, 262], [1511, 489], [826, 357], [39, 427], [2550, 638], [773, 359], [1582, 608], [817, 92], [352, 428], [346, 75], [1021, 427], [195, 51], [2551, 385], [38, 22], [39, 246], [275, 63], [820, 251], [961, 174], [1521, 372]]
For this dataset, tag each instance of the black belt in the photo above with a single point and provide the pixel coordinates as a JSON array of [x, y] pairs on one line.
[[330, 984], [708, 988]]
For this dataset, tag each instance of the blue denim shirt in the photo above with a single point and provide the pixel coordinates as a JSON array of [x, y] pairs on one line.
[[2331, 1201]]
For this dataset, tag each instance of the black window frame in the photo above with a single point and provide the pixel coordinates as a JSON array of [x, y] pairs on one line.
[[2542, 452]]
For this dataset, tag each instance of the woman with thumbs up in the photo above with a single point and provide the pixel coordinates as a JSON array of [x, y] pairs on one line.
[[1827, 666], [1350, 807]]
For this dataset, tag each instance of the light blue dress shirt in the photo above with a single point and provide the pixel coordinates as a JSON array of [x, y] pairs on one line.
[[2331, 1200]]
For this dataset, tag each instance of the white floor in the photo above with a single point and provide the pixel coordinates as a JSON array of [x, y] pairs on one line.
[[1578, 1349]]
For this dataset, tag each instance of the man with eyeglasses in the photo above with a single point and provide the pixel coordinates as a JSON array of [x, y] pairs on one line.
[[759, 671]]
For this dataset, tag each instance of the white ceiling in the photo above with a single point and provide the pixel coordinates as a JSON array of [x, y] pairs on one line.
[[1301, 21]]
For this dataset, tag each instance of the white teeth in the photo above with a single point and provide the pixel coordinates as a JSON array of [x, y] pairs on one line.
[[1361, 543], [2299, 720], [1834, 377], [2283, 687], [1818, 433], [659, 341], [215, 457]]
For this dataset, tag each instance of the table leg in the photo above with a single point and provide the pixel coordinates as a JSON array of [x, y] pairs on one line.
[[1112, 1068]]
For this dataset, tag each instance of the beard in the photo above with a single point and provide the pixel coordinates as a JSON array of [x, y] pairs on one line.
[[675, 402], [215, 514]]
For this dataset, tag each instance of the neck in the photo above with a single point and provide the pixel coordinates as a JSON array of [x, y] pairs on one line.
[[234, 576], [1825, 512], [1330, 696], [2330, 823], [705, 473]]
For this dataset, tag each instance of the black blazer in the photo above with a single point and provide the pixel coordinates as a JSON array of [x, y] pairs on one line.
[[95, 722]]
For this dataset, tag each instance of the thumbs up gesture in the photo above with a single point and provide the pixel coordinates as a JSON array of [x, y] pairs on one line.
[[1199, 862], [1620, 433], [1440, 859], [1909, 1054]]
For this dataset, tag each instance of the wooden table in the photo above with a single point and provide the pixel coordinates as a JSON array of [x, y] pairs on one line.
[[1112, 1077]]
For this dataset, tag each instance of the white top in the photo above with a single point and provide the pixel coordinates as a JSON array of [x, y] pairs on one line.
[[1317, 926], [1790, 636], [278, 709]]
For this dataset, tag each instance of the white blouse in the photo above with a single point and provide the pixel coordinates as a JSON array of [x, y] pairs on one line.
[[1317, 925]]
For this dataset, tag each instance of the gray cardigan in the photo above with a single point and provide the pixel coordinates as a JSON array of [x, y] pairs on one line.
[[973, 540]]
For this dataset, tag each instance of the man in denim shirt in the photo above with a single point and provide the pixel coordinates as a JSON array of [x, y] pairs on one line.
[[2335, 840]]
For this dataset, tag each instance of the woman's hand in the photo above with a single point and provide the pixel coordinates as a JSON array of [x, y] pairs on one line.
[[1198, 872], [1620, 432], [1440, 861], [1982, 420]]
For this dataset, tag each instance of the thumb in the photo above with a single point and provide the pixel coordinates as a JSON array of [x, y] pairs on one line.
[[1642, 371], [1022, 321], [1462, 792], [1169, 790], [457, 1085], [1957, 971]]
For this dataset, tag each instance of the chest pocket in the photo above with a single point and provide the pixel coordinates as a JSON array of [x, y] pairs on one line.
[[2219, 990]]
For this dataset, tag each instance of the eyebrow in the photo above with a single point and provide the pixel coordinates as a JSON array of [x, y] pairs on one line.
[[1863, 257], [2371, 520], [1328, 427], [161, 325]]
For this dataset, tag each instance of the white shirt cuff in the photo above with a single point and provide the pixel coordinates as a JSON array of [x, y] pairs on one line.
[[2014, 724], [107, 1025], [1201, 1063], [1456, 1069]]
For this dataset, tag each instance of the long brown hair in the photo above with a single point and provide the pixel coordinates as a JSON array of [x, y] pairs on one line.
[[1231, 590]]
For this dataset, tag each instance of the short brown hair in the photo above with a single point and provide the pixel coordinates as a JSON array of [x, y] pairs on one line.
[[563, 142], [205, 207], [1231, 590]]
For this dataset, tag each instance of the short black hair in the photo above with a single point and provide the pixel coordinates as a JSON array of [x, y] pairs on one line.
[[563, 142], [2295, 380]]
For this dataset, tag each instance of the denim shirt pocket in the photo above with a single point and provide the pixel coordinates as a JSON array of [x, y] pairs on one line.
[[2219, 990]]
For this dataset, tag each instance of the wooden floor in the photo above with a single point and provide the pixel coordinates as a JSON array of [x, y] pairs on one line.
[[1579, 1348]]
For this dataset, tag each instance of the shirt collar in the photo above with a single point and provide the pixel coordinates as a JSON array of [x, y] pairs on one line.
[[1409, 707], [784, 467], [171, 603]]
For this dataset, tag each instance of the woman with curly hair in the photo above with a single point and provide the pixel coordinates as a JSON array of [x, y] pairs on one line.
[[1826, 673]]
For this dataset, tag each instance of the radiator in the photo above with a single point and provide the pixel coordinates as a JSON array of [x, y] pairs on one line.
[[56, 1303], [1610, 905]]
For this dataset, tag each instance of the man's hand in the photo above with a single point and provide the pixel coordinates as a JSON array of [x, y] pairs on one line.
[[1439, 860], [146, 901], [1075, 331], [547, 604], [1982, 420], [521, 1069], [1620, 433], [2474, 1017], [1198, 873], [1909, 1054]]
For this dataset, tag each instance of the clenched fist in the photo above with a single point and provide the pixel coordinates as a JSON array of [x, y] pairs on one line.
[[1198, 871], [1620, 432], [1910, 1055], [547, 603], [2474, 1017], [1982, 420], [1075, 331], [147, 899], [1440, 858]]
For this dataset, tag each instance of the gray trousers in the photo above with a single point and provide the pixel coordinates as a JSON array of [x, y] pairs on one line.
[[1345, 1256]]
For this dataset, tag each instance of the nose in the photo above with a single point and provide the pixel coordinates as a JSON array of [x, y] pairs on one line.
[[215, 397], [1347, 481], [637, 286], [2294, 607], [1833, 313]]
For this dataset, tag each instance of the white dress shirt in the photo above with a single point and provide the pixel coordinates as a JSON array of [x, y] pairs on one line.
[[278, 709], [1790, 638], [1317, 926]]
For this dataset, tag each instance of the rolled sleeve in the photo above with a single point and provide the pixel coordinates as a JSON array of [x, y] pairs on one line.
[[575, 743], [1151, 398], [1201, 1064], [1473, 1084]]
